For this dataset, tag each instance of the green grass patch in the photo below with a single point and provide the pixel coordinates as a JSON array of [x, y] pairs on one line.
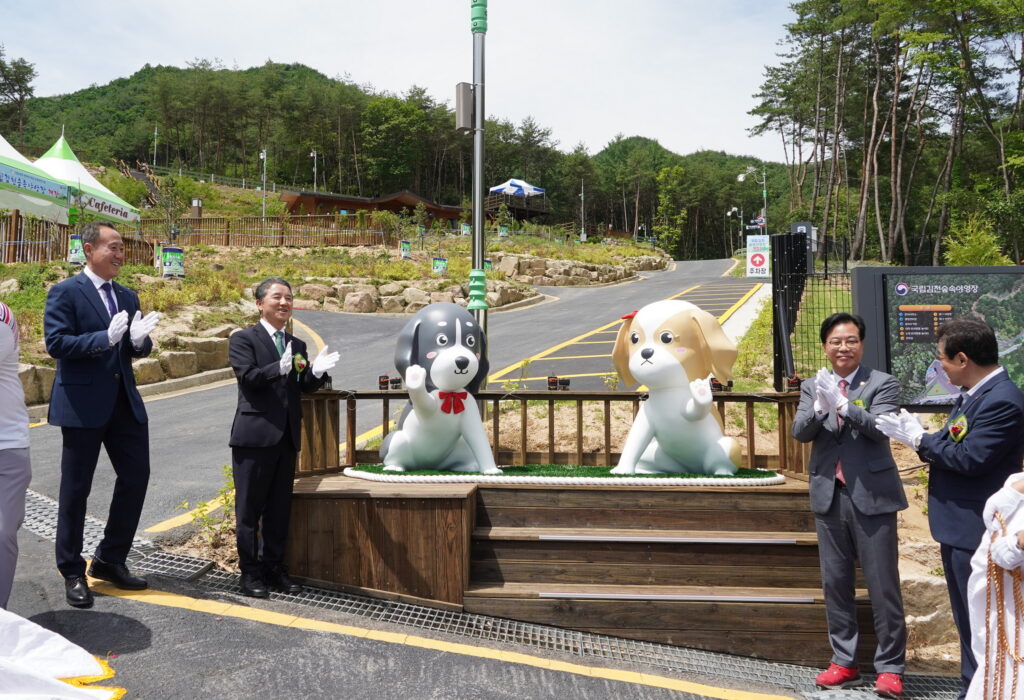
[[568, 470]]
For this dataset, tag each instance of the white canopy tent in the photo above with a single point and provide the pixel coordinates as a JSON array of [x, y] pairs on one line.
[[520, 188], [60, 162], [25, 187]]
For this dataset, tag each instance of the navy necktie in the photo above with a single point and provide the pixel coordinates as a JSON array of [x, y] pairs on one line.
[[108, 294]]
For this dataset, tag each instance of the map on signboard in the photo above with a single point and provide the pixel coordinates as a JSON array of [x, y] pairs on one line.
[[917, 304]]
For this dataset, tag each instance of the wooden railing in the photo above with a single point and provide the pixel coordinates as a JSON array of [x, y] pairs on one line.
[[256, 231], [37, 240], [327, 447]]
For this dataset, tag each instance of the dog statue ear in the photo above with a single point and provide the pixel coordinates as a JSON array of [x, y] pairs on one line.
[[407, 350], [484, 366], [620, 354], [719, 350]]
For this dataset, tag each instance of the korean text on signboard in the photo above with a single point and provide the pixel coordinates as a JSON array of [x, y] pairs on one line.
[[758, 249]]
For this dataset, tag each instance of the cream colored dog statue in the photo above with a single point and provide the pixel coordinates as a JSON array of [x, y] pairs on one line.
[[673, 347]]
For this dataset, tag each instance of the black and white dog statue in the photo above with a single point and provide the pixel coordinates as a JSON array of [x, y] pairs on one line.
[[442, 354]]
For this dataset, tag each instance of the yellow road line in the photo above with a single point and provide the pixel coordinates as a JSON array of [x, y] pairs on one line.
[[595, 342], [185, 518], [563, 376], [735, 262], [571, 357], [241, 612], [314, 336], [738, 304], [36, 425]]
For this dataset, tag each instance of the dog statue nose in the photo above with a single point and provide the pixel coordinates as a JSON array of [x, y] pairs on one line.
[[646, 353], [462, 362]]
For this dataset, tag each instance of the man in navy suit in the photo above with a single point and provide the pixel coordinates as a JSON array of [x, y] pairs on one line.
[[970, 458], [272, 370], [93, 328]]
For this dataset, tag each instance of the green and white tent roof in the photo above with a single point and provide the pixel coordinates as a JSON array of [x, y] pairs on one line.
[[61, 163], [25, 187]]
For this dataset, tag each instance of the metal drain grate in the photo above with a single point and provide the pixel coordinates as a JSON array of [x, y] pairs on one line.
[[41, 519]]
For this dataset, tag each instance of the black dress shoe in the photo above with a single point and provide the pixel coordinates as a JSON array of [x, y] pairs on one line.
[[253, 586], [280, 581], [76, 592], [116, 574]]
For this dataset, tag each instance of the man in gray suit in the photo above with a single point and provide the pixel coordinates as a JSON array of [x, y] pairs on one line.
[[855, 493]]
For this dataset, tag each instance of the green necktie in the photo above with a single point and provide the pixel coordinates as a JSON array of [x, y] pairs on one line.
[[279, 342]]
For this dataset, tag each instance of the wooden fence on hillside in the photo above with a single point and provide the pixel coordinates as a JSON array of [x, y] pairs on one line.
[[25, 240], [259, 231]]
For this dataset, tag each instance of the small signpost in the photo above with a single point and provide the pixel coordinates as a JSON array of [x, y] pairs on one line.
[[405, 249], [758, 250], [76, 255], [440, 266], [172, 261]]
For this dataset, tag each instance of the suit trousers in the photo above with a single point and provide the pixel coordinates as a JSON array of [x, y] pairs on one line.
[[264, 478], [127, 444], [15, 475], [956, 564], [844, 536]]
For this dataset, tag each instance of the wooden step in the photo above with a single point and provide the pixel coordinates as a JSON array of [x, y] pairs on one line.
[[770, 623], [589, 535]]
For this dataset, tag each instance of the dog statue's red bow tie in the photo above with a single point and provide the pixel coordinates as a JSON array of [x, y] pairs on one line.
[[453, 401]]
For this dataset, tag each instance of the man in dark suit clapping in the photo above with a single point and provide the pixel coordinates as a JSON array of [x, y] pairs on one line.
[[970, 458], [93, 328], [272, 370], [856, 493]]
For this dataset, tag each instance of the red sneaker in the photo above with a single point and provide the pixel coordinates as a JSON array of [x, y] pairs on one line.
[[889, 685], [840, 677]]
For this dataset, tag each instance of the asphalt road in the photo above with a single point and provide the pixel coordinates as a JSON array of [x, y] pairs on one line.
[[188, 431]]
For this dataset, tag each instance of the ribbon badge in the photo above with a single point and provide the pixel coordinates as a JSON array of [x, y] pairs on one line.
[[958, 428], [859, 402], [299, 362], [452, 401]]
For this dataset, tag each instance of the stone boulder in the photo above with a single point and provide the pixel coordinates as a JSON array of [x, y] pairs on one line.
[[509, 266], [414, 295], [178, 364], [222, 331], [9, 286], [392, 304], [390, 289], [332, 304], [360, 303], [436, 297], [316, 291], [147, 370], [929, 619], [44, 378], [415, 306], [29, 384], [346, 288], [306, 305], [211, 353]]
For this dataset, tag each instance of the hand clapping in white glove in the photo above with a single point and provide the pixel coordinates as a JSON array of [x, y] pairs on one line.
[[1006, 553], [324, 362], [822, 397], [905, 427], [285, 364], [827, 381], [118, 325], [141, 326]]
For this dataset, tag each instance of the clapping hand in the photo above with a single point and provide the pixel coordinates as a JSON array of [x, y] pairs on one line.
[[828, 388], [118, 325], [905, 427], [141, 326], [822, 397], [285, 363], [324, 362]]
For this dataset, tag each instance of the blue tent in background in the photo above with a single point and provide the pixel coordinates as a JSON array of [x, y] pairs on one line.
[[519, 188]]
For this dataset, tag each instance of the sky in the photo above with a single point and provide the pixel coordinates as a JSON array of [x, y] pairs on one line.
[[682, 72]]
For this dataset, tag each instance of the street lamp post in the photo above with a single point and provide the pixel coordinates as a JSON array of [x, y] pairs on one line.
[[312, 154], [263, 159], [752, 170]]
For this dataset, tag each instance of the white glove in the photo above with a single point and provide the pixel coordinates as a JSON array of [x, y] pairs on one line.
[[1006, 500], [821, 397], [905, 428], [141, 326], [118, 325], [285, 363], [1006, 553], [324, 362], [827, 384]]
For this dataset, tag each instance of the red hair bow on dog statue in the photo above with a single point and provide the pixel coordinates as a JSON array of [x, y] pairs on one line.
[[674, 348]]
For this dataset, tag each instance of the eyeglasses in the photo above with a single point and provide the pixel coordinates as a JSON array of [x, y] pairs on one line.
[[848, 342]]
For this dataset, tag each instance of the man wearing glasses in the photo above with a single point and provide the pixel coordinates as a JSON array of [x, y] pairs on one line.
[[855, 492], [970, 458]]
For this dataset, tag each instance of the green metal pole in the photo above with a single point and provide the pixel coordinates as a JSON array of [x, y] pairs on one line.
[[477, 285]]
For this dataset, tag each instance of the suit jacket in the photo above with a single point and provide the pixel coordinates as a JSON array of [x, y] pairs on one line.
[[964, 474], [269, 403], [870, 471], [89, 370]]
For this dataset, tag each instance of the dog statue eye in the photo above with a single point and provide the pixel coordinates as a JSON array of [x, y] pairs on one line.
[[666, 337], [634, 337], [442, 339], [470, 341]]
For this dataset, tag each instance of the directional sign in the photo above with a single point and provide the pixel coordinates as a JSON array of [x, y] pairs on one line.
[[758, 247]]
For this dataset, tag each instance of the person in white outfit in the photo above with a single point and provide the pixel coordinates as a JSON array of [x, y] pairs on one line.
[[15, 469], [997, 572]]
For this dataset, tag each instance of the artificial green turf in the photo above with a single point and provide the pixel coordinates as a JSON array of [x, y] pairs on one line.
[[563, 470]]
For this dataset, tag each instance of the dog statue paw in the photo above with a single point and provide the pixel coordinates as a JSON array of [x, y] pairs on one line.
[[673, 348], [442, 354]]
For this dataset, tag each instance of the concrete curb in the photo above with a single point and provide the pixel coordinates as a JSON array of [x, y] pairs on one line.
[[39, 412]]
